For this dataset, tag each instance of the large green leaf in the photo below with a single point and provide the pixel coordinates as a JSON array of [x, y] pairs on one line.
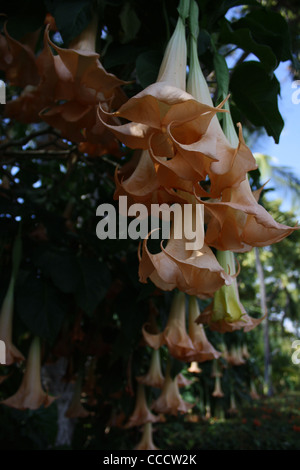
[[40, 306], [243, 38], [222, 75], [62, 268], [130, 23], [94, 281], [267, 28], [255, 92], [87, 278]]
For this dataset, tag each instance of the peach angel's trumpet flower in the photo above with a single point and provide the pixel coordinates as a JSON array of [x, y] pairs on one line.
[[194, 368], [226, 313], [75, 409], [83, 83], [154, 377], [174, 336], [233, 408], [6, 323], [160, 116], [235, 356], [204, 349], [141, 414], [193, 271], [215, 370], [34, 98], [19, 60], [146, 442], [230, 158], [170, 401], [31, 394], [237, 222], [218, 393], [7, 309]]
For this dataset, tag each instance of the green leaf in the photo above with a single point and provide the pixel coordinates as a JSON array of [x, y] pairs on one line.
[[147, 67], [94, 281], [87, 278], [71, 17], [222, 74], [40, 306], [267, 28], [203, 42], [62, 268], [130, 23], [255, 93], [243, 38]]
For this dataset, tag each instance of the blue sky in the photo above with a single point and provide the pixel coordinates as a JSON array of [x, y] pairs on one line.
[[287, 152]]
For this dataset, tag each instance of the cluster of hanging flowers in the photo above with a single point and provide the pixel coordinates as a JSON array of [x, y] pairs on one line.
[[185, 157], [62, 87]]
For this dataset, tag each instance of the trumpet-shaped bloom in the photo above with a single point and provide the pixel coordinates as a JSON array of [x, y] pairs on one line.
[[194, 368], [232, 159], [83, 83], [31, 394], [146, 442], [7, 309], [170, 401], [163, 119], [204, 349], [237, 222], [233, 408], [218, 393], [141, 414], [154, 377], [18, 60], [235, 357], [76, 76], [195, 272], [6, 323], [226, 313], [215, 370], [174, 335]]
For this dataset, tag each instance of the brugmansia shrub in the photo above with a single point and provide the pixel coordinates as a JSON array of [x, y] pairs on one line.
[[117, 334]]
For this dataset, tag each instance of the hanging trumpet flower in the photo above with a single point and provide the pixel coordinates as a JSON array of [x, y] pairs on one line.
[[31, 394], [170, 401], [7, 309], [226, 313], [146, 442], [218, 390], [141, 413], [154, 377]]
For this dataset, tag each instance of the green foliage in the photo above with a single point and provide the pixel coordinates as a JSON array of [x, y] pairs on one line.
[[257, 98]]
